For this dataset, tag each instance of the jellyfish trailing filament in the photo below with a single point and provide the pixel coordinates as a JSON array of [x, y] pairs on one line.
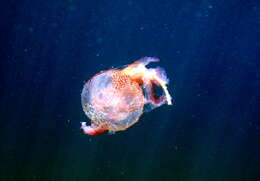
[[114, 99]]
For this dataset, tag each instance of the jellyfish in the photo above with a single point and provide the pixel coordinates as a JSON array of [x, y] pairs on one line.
[[115, 99]]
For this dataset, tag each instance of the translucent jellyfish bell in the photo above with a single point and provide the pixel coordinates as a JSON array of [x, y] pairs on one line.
[[114, 99], [112, 102]]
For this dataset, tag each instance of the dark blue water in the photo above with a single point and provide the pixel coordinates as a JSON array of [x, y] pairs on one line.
[[210, 50]]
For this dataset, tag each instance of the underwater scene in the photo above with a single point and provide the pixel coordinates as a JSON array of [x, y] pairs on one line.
[[130, 90]]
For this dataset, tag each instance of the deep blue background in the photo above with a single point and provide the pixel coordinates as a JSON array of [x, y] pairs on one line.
[[210, 50]]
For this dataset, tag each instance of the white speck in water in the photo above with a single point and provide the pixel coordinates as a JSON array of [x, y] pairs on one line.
[[99, 40], [30, 29]]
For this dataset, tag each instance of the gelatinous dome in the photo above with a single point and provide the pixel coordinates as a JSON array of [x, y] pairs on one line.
[[112, 100]]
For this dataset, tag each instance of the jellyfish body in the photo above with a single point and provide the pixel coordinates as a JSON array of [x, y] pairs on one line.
[[114, 99]]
